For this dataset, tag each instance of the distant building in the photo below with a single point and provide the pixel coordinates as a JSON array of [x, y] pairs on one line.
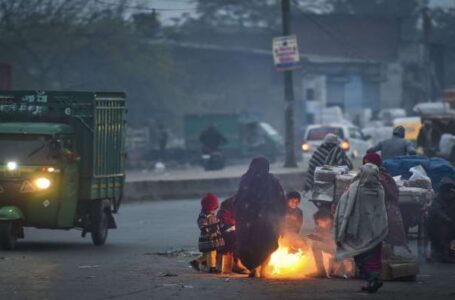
[[137, 139], [354, 62]]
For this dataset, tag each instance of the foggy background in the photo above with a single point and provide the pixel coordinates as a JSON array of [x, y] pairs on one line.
[[174, 57]]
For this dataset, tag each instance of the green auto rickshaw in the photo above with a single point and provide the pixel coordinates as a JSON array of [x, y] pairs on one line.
[[61, 162]]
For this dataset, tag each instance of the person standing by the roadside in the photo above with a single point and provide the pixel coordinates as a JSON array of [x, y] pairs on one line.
[[361, 225], [259, 209]]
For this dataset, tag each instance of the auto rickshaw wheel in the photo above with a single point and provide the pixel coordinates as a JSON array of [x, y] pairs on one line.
[[8, 235], [99, 221]]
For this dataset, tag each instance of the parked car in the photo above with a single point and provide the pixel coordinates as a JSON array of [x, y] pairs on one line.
[[353, 141]]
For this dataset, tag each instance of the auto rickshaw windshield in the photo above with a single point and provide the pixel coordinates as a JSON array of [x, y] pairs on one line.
[[29, 150]]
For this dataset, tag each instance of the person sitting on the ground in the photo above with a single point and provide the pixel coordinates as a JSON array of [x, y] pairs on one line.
[[394, 146], [230, 261], [441, 222], [328, 153], [210, 238], [294, 215]]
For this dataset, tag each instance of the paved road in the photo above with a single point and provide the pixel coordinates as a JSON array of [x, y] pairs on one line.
[[62, 265]]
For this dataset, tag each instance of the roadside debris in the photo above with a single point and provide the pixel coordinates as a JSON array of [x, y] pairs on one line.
[[176, 253], [89, 266]]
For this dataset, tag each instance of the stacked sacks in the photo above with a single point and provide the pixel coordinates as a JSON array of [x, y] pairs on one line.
[[325, 178]]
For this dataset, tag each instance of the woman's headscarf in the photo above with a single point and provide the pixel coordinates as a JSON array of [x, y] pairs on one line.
[[259, 209], [331, 138]]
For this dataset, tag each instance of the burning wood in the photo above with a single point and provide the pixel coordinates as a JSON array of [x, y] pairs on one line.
[[289, 261]]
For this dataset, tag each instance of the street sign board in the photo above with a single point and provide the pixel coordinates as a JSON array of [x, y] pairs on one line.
[[286, 53]]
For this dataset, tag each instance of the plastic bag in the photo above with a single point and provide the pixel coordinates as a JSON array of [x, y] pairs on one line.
[[419, 178]]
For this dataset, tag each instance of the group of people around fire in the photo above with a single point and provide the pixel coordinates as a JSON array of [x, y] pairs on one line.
[[245, 229]]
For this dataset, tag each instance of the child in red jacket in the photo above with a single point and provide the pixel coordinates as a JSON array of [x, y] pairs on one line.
[[210, 238]]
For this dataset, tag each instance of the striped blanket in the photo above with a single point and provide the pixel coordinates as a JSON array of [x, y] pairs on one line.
[[326, 154]]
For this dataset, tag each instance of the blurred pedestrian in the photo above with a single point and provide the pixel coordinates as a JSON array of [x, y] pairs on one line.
[[441, 222], [210, 238], [427, 139], [163, 137], [328, 153], [361, 225], [260, 210], [394, 146]]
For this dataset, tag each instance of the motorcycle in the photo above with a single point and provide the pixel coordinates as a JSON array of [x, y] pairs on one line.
[[213, 160]]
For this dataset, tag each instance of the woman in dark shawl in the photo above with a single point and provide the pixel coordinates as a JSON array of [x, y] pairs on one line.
[[397, 234], [259, 209]]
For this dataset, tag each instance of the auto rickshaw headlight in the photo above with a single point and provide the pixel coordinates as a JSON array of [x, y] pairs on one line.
[[11, 165], [42, 183]]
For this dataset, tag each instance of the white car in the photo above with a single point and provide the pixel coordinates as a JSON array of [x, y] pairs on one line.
[[352, 140]]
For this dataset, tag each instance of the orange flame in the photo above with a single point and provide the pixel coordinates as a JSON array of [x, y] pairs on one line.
[[290, 262]]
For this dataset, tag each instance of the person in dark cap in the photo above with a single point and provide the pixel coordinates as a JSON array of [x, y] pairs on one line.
[[395, 146]]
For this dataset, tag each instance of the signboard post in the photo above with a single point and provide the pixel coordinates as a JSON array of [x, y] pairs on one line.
[[286, 53]]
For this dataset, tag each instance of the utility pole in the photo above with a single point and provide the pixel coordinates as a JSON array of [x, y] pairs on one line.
[[426, 29], [290, 161]]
